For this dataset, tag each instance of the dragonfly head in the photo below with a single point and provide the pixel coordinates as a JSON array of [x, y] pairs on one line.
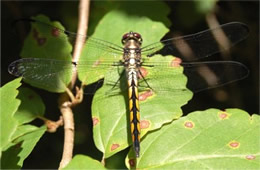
[[132, 36]]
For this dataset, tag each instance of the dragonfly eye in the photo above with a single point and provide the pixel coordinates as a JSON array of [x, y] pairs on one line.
[[125, 38], [138, 37]]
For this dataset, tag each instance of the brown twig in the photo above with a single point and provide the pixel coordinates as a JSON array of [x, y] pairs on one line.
[[52, 126], [66, 104]]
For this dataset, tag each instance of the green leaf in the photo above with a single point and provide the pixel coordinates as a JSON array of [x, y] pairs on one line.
[[27, 137], [110, 112], [31, 106], [210, 139], [113, 26], [46, 42], [205, 7], [9, 105], [22, 138], [84, 162]]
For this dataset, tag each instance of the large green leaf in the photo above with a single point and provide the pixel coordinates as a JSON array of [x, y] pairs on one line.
[[210, 139], [28, 111], [44, 41], [84, 162], [112, 27], [9, 105], [110, 110], [111, 115]]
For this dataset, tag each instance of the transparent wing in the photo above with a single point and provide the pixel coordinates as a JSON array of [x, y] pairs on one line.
[[202, 44], [166, 76], [54, 75], [56, 30]]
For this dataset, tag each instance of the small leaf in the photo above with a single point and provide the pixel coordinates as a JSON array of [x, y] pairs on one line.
[[31, 106], [210, 139], [14, 156], [9, 105], [84, 162]]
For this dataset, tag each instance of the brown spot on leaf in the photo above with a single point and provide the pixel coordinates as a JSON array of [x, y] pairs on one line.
[[55, 32], [176, 62], [250, 157], [114, 146], [132, 162], [95, 121], [40, 40], [142, 73], [189, 124], [144, 95], [144, 124], [234, 144]]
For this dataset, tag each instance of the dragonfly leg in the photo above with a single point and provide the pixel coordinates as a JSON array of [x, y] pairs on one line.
[[140, 73], [121, 75]]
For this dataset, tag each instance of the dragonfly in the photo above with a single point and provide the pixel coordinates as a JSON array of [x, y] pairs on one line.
[[132, 58]]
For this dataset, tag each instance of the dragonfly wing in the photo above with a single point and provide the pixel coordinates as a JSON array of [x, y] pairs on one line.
[[57, 31], [55, 75], [51, 75], [206, 75], [96, 59], [202, 44], [165, 76]]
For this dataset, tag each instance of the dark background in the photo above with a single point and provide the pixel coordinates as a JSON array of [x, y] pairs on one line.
[[185, 18]]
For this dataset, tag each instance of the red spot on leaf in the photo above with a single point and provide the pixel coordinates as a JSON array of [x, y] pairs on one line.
[[189, 124], [55, 32], [223, 115], [142, 73], [234, 144], [176, 62], [250, 157], [132, 162], [114, 146], [144, 95], [144, 124], [95, 121], [40, 40]]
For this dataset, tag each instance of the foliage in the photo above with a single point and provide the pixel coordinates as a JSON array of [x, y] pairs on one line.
[[18, 138], [203, 139]]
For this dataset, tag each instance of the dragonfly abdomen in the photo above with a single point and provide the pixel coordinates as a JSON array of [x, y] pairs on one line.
[[134, 109]]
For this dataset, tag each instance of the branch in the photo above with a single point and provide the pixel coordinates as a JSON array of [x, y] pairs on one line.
[[66, 104]]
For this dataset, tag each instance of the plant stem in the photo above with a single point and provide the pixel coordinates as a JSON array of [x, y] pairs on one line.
[[66, 105]]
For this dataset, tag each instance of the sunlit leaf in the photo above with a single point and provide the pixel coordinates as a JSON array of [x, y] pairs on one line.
[[84, 162], [210, 139], [9, 105], [28, 111]]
